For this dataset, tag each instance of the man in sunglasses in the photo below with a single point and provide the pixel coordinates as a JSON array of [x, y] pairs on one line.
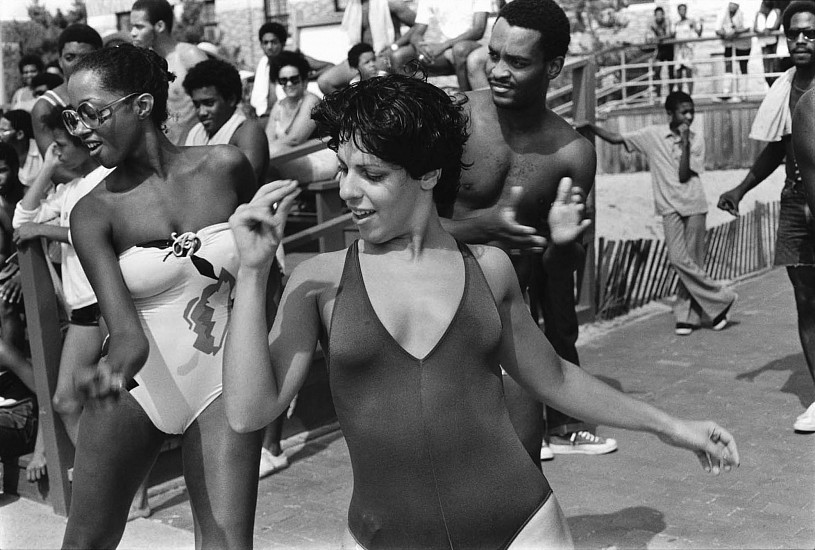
[[795, 244], [151, 27]]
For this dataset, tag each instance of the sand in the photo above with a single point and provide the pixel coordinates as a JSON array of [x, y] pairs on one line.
[[625, 202]]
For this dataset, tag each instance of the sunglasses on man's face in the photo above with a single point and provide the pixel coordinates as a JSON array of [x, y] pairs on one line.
[[294, 80], [793, 34], [89, 116]]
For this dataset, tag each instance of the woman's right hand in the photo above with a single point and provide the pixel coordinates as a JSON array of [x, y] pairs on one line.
[[98, 382], [258, 225], [52, 157]]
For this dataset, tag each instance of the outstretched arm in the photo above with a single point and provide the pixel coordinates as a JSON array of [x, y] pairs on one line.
[[602, 133], [529, 358], [262, 371], [803, 141], [768, 160]]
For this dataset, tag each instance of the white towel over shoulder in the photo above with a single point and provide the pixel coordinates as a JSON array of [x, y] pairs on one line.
[[774, 119], [379, 21]]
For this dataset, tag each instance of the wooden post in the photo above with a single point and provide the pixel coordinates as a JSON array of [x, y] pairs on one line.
[[45, 339], [584, 101]]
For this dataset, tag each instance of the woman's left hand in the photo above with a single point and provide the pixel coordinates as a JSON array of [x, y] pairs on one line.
[[258, 225], [713, 445]]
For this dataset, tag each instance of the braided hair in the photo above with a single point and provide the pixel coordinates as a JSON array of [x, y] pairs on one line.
[[129, 69]]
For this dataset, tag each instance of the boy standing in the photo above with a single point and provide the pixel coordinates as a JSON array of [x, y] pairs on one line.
[[676, 156]]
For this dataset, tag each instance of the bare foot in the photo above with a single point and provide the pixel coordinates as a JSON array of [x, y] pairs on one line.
[[140, 507], [36, 469]]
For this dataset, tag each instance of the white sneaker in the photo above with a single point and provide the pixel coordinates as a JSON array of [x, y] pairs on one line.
[[546, 452], [582, 442], [806, 421], [270, 463]]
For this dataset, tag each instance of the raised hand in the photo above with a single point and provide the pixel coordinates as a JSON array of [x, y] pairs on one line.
[[713, 445], [258, 225], [566, 217]]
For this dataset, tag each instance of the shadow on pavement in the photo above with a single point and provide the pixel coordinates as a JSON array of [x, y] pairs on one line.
[[630, 528], [799, 382], [313, 447]]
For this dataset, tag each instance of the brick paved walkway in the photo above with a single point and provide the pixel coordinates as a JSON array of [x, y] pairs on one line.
[[751, 377]]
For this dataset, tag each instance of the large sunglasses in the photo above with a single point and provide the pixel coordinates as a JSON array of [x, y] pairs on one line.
[[90, 117], [792, 34], [294, 80]]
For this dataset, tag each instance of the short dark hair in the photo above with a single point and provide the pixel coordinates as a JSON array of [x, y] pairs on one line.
[[156, 10], [404, 121], [356, 52], [289, 58], [675, 98], [130, 69], [658, 8], [31, 59], [21, 121], [544, 16], [215, 72], [798, 6], [8, 154], [14, 190], [79, 32], [53, 121], [50, 80], [276, 29]]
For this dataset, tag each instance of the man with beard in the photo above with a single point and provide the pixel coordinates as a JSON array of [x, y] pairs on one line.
[[795, 242], [519, 150]]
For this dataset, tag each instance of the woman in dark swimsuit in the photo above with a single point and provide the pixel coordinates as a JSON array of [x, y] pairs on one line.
[[416, 327]]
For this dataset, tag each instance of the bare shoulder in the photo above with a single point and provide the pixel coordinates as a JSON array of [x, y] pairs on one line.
[[321, 272], [497, 269], [310, 101], [189, 55], [93, 209], [249, 130]]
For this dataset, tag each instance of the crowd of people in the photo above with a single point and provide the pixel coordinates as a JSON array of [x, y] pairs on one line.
[[152, 169]]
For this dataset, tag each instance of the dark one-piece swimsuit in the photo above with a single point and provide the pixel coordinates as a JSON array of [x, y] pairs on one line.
[[436, 461]]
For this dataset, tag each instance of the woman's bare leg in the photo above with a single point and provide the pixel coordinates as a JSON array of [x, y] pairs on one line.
[[116, 448], [221, 470]]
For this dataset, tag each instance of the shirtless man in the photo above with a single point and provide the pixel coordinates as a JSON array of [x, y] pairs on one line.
[[340, 75], [795, 244], [151, 23], [520, 150], [73, 43]]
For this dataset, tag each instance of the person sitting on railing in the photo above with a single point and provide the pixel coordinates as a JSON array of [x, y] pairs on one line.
[[660, 30], [730, 28], [216, 89], [795, 241], [290, 122], [273, 37], [686, 28], [676, 156], [767, 21], [444, 35], [376, 22], [362, 59]]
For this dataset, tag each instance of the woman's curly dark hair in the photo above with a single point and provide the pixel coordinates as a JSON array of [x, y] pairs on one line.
[[129, 69], [404, 121]]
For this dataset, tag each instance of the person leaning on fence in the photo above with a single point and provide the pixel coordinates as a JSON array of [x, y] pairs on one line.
[[795, 241], [685, 28], [660, 30], [731, 27], [767, 21], [676, 156]]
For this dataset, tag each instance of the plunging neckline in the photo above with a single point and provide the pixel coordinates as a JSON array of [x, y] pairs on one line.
[[450, 324]]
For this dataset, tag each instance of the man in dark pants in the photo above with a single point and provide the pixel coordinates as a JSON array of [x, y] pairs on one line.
[[520, 150]]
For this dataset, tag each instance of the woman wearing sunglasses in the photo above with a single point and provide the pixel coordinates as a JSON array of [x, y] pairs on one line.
[[290, 122], [153, 241]]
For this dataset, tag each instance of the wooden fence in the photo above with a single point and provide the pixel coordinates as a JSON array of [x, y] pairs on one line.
[[632, 273]]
